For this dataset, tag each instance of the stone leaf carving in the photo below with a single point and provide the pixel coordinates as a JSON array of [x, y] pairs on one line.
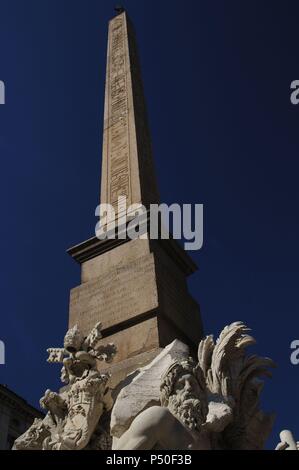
[[233, 378], [211, 403], [73, 414]]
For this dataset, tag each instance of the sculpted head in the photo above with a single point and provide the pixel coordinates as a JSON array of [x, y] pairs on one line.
[[183, 392]]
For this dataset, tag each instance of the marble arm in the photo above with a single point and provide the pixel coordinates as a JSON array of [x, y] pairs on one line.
[[287, 441], [143, 434]]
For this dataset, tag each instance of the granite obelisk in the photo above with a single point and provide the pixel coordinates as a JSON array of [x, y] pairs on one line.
[[136, 288], [127, 164]]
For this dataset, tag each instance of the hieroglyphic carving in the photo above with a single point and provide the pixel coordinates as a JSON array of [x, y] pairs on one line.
[[118, 116], [127, 168]]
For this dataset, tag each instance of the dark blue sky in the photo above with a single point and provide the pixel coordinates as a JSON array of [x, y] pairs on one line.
[[217, 76]]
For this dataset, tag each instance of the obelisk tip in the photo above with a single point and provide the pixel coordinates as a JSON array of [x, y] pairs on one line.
[[119, 9]]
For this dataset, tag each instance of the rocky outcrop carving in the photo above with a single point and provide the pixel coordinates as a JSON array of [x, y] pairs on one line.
[[211, 403], [143, 389], [73, 414]]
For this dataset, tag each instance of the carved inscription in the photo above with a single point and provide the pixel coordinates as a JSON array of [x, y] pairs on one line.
[[121, 294], [118, 129]]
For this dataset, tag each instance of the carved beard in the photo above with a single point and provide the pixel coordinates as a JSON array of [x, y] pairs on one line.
[[187, 410]]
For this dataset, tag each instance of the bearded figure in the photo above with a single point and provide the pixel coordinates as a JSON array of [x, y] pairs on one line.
[[183, 393], [177, 423], [207, 405]]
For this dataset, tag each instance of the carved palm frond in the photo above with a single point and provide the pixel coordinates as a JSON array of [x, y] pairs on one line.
[[222, 362], [205, 351], [234, 377]]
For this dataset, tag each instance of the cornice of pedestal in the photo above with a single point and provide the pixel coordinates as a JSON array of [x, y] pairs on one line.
[[94, 247]]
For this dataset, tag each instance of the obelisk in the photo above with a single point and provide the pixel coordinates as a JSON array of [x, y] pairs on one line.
[[136, 288], [127, 164]]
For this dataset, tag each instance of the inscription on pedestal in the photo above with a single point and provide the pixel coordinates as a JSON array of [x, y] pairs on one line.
[[121, 294]]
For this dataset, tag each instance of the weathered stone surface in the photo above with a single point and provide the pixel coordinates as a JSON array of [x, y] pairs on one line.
[[175, 302], [120, 294], [122, 373], [137, 282], [119, 256], [144, 390], [135, 339]]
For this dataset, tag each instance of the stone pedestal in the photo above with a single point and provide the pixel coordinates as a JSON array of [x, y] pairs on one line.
[[138, 290]]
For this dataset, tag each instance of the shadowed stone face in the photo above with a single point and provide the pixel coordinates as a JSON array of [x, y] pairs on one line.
[[184, 402], [187, 387]]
